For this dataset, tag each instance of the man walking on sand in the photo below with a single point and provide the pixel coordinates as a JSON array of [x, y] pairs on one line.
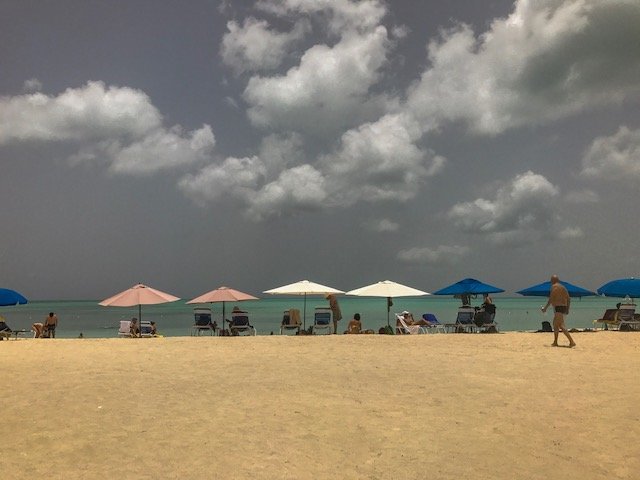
[[559, 298]]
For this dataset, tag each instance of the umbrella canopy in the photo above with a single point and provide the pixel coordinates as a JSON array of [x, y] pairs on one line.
[[11, 297], [387, 289], [303, 287], [622, 287], [468, 286], [543, 290], [138, 295], [222, 295]]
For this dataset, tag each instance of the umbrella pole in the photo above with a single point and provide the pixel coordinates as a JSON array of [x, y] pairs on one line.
[[223, 315], [304, 315], [388, 310], [140, 319]]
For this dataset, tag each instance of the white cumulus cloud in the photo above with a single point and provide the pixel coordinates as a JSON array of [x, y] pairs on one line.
[[254, 46], [237, 177], [118, 126], [92, 112], [522, 211], [32, 85], [442, 254], [546, 60], [338, 15], [615, 157], [380, 161], [383, 225], [328, 90], [570, 232]]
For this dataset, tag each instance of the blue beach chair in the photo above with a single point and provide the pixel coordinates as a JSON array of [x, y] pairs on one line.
[[434, 324], [464, 321], [322, 320]]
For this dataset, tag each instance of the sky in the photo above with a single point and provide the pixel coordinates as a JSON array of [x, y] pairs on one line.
[[189, 145]]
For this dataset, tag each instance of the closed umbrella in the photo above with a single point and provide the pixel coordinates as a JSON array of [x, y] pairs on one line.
[[11, 297], [623, 287], [138, 295], [387, 289], [222, 295], [303, 287]]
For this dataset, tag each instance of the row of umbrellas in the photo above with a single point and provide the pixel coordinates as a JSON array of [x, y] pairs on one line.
[[140, 294], [143, 295]]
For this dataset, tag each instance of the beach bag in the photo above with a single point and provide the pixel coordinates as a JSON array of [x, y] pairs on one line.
[[546, 327]]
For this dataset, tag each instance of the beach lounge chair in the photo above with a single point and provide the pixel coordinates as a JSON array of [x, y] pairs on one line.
[[485, 319], [609, 318], [146, 330], [322, 321], [202, 321], [402, 327], [464, 321], [240, 324], [125, 328], [434, 324], [290, 321], [627, 319]]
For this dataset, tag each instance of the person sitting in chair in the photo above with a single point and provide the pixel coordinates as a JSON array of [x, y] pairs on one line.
[[5, 331], [134, 328], [409, 320], [355, 325]]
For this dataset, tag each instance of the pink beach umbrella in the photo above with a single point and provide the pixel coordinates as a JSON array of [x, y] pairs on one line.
[[138, 295], [222, 294]]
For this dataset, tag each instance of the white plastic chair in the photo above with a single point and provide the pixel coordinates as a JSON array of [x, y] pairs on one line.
[[410, 329], [125, 328]]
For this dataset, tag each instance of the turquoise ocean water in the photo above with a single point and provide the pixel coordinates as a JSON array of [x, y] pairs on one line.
[[175, 319]]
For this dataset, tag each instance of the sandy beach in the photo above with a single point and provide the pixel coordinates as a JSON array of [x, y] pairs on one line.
[[368, 406]]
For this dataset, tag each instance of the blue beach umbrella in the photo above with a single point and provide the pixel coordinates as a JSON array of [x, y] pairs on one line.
[[543, 290], [468, 286], [621, 288], [11, 297]]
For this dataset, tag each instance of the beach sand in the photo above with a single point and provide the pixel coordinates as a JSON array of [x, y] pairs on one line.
[[367, 406]]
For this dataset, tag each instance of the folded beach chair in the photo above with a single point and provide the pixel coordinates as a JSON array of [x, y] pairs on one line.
[[291, 321], [240, 324], [464, 320], [202, 321], [125, 328], [403, 328], [434, 324], [322, 320]]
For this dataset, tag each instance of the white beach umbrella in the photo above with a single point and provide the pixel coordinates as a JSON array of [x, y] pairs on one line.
[[303, 287], [387, 289]]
